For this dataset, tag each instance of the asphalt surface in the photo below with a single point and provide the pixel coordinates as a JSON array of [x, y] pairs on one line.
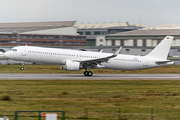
[[29, 76]]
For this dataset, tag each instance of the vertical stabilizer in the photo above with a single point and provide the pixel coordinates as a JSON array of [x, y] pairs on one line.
[[162, 49]]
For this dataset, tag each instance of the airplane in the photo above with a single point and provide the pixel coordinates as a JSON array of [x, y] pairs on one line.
[[75, 60], [2, 52]]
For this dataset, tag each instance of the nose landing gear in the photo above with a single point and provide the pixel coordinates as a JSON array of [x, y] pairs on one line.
[[22, 68]]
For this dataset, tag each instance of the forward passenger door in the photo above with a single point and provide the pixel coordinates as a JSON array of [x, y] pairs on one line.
[[24, 48]]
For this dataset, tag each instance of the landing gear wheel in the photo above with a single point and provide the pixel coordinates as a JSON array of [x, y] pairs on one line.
[[90, 73], [22, 68], [85, 73]]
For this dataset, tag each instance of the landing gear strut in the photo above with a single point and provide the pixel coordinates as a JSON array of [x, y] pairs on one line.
[[88, 73], [22, 68]]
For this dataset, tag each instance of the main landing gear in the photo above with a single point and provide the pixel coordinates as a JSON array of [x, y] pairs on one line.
[[88, 73]]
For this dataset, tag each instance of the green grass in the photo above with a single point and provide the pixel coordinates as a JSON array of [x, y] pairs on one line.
[[57, 69], [134, 97]]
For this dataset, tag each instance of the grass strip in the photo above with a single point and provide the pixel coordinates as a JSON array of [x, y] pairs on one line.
[[100, 97]]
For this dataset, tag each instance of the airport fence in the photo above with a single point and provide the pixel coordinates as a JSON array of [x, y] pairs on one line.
[[127, 114], [99, 114], [38, 115]]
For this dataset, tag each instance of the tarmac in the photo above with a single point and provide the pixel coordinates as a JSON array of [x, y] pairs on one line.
[[32, 76]]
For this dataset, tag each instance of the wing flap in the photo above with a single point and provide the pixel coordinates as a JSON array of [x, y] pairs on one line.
[[105, 59], [96, 62]]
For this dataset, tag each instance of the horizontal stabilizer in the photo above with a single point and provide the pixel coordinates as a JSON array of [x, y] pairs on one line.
[[165, 62]]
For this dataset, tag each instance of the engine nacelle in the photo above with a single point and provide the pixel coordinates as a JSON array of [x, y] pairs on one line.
[[71, 65]]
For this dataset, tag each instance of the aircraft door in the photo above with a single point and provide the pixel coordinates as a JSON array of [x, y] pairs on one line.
[[145, 62], [24, 51]]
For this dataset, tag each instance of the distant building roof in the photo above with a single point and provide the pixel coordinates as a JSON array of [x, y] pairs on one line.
[[169, 26], [149, 32], [107, 25], [32, 26]]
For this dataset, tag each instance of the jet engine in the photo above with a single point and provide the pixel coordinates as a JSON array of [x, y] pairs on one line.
[[71, 65]]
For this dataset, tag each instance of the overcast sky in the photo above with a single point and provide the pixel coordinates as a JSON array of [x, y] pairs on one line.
[[151, 12]]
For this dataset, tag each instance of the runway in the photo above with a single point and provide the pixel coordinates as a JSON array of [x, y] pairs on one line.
[[32, 76]]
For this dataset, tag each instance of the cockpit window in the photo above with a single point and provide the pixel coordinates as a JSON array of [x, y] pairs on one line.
[[14, 50]]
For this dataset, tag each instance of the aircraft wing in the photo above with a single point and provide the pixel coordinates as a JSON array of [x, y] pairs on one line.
[[96, 62]]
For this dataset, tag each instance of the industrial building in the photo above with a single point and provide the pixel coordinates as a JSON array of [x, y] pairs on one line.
[[59, 33], [94, 30], [146, 37], [142, 38], [142, 41]]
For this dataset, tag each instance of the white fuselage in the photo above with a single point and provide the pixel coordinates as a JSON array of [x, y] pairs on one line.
[[60, 56]]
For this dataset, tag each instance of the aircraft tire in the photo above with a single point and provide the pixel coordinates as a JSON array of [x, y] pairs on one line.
[[85, 73], [90, 73], [22, 68]]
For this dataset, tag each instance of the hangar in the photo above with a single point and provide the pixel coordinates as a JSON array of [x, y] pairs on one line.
[[93, 30], [57, 33], [142, 41], [145, 37]]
